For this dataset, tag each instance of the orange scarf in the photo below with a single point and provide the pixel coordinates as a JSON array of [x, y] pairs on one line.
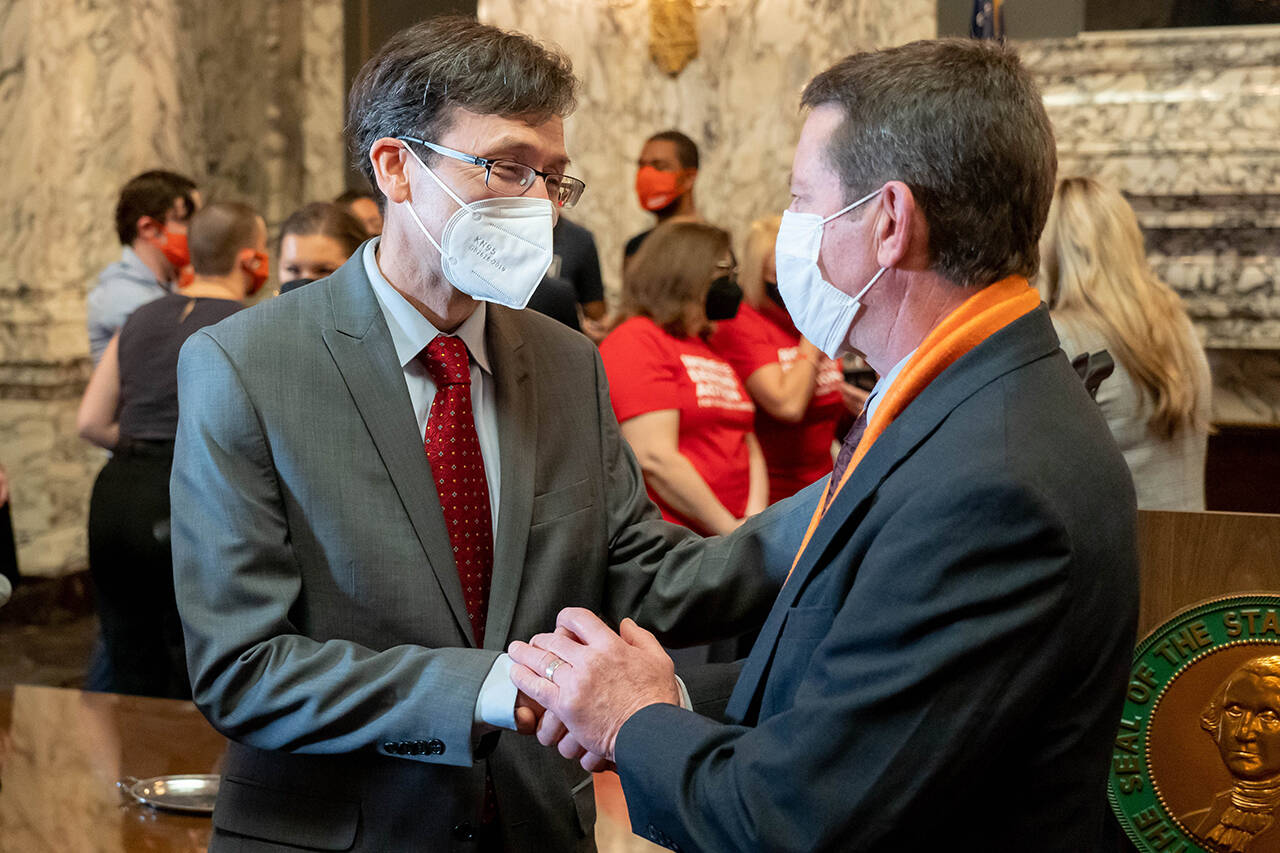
[[978, 318]]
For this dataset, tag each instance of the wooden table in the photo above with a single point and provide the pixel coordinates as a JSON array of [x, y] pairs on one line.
[[62, 751]]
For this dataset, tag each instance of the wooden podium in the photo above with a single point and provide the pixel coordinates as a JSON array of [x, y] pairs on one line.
[[1186, 558], [1189, 557]]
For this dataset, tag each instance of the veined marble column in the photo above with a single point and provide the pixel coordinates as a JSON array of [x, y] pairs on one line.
[[246, 98], [739, 99]]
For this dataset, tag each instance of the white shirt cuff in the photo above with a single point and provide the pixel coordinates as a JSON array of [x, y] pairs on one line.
[[496, 703], [685, 701]]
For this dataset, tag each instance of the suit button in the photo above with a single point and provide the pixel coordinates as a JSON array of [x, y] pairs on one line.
[[403, 747], [464, 832], [389, 747], [417, 748], [435, 747]]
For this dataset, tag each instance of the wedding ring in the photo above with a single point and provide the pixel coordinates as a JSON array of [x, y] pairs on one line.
[[551, 669]]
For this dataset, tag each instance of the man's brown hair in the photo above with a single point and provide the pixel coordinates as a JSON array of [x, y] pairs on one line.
[[960, 122], [412, 85], [217, 233]]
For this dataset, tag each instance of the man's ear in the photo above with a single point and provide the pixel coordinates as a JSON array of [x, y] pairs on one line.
[[247, 260], [149, 227], [390, 165], [900, 231]]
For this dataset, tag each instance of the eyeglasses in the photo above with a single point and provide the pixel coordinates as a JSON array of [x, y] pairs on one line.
[[507, 177]]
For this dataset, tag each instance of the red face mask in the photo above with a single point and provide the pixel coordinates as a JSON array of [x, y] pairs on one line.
[[174, 247], [655, 188], [259, 272]]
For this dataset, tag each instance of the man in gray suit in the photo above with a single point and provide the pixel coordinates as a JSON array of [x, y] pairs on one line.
[[382, 478]]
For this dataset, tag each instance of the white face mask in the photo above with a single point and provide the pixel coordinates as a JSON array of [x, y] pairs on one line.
[[495, 249], [821, 311]]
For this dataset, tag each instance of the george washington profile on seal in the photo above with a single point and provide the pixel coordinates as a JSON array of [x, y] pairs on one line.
[[1243, 718]]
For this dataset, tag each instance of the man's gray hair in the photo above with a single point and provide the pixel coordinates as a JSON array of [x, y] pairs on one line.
[[962, 124], [412, 85]]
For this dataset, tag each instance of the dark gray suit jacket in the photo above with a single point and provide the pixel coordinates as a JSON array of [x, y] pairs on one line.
[[945, 667], [326, 630]]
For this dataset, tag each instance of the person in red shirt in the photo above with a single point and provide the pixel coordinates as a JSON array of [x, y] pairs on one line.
[[797, 389], [682, 408]]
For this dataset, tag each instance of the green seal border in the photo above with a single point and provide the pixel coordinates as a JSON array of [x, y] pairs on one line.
[[1131, 789]]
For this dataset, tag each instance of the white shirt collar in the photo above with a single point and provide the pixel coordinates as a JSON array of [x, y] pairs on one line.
[[883, 384], [410, 331]]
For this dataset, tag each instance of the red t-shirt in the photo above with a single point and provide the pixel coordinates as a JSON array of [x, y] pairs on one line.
[[650, 370], [796, 454]]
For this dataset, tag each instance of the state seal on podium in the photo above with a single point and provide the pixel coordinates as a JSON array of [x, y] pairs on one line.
[[1196, 761]]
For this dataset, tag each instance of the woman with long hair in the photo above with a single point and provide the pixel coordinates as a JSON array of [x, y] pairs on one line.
[[1103, 294], [681, 407]]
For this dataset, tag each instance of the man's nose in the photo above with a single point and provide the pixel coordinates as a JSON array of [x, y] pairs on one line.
[[1249, 728], [540, 188]]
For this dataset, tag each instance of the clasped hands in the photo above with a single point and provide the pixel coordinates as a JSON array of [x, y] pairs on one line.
[[579, 684]]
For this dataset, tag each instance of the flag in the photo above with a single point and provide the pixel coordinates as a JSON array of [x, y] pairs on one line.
[[988, 20]]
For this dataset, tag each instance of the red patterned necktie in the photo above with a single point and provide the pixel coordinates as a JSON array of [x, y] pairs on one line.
[[453, 449]]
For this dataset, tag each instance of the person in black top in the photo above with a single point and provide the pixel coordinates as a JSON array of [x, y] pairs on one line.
[[577, 262], [131, 408], [554, 297]]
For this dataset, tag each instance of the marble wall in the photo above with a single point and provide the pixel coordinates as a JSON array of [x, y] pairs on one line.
[[1187, 123], [246, 97], [739, 99]]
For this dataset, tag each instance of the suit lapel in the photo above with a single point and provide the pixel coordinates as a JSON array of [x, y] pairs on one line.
[[1025, 340], [516, 400], [362, 350]]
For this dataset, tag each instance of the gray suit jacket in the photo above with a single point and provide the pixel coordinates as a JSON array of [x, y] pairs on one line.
[[326, 630]]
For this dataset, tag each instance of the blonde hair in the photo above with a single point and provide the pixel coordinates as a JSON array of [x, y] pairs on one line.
[[1094, 271], [759, 248], [672, 268]]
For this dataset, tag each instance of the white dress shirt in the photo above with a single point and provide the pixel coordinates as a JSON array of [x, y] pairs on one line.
[[884, 383], [410, 334]]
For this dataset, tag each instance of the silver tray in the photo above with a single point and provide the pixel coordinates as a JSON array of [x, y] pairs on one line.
[[189, 793]]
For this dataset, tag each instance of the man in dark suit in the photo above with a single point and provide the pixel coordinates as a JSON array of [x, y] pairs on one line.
[[944, 667], [384, 476]]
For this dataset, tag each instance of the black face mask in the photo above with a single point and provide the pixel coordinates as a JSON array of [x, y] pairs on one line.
[[771, 290], [723, 298], [295, 284]]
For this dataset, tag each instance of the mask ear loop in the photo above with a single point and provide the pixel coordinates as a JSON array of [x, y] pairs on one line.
[[842, 211], [883, 270], [874, 279], [443, 186]]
